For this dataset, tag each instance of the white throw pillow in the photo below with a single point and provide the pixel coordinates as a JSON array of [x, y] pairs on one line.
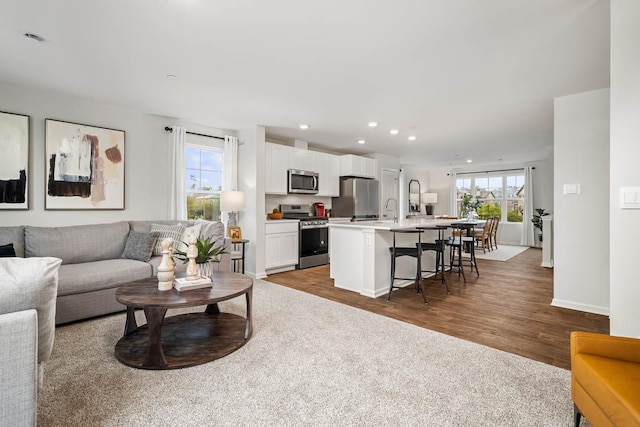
[[195, 229], [165, 231]]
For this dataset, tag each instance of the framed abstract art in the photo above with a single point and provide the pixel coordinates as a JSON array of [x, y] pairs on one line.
[[84, 166], [14, 161]]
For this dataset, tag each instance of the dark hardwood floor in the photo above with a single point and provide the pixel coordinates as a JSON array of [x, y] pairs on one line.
[[507, 307]]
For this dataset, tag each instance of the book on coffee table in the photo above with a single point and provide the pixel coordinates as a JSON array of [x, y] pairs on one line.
[[182, 284]]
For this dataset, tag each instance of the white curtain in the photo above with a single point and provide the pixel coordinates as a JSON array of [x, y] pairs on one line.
[[230, 163], [178, 200], [528, 238], [453, 194]]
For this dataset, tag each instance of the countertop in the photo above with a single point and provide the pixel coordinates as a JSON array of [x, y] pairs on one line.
[[282, 220], [389, 224]]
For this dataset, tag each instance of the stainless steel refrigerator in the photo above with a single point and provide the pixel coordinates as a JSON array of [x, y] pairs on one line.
[[359, 199]]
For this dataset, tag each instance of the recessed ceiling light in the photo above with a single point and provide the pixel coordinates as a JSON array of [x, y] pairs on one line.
[[361, 141], [373, 124], [172, 76], [394, 131], [303, 126], [412, 138], [34, 36], [469, 160]]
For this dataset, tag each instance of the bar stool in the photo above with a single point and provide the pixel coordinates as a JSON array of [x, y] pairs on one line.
[[412, 251], [438, 246], [455, 244]]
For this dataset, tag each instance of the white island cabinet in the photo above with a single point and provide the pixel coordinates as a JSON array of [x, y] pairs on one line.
[[360, 259]]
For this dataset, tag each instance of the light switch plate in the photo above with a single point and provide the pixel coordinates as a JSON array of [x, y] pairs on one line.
[[571, 189], [630, 198]]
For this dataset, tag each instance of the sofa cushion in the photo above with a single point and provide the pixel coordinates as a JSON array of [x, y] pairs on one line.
[[616, 384], [144, 226], [193, 229], [139, 246], [98, 275], [78, 243], [7, 251], [215, 230], [27, 283], [13, 235], [166, 232]]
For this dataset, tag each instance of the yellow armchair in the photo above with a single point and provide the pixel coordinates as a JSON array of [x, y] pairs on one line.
[[605, 379]]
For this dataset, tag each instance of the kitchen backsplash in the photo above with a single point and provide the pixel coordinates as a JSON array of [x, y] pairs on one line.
[[274, 201]]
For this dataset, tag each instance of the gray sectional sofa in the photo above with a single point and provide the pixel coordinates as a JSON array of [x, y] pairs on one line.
[[92, 269]]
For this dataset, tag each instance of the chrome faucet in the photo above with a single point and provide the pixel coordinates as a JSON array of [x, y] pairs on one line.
[[395, 209]]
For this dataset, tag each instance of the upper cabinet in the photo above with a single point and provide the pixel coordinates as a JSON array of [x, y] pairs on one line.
[[351, 165], [277, 163], [281, 158]]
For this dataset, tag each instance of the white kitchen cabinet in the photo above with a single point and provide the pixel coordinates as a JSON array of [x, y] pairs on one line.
[[277, 163], [304, 160], [351, 165], [281, 245], [329, 174]]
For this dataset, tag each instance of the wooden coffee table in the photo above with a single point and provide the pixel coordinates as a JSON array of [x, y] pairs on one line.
[[187, 339]]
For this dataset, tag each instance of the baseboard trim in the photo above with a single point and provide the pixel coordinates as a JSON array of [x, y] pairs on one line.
[[588, 308]]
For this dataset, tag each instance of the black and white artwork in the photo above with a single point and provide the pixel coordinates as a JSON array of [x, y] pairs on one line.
[[14, 161]]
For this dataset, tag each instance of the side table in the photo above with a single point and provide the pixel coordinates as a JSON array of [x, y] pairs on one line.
[[237, 256]]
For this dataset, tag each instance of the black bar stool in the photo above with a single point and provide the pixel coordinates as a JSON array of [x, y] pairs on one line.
[[438, 246], [456, 245], [412, 251]]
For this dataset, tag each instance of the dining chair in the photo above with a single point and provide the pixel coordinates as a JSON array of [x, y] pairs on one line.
[[482, 236], [414, 251], [493, 240]]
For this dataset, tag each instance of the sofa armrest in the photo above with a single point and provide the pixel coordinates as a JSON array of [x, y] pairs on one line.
[[18, 370], [619, 348], [225, 258]]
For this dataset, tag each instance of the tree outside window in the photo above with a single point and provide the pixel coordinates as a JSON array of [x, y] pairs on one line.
[[203, 180]]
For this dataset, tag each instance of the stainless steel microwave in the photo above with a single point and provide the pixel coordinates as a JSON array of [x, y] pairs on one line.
[[303, 182]]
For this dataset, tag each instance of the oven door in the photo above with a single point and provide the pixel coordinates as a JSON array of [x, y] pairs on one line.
[[314, 240]]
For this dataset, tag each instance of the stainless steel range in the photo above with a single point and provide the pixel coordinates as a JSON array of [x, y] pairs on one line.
[[313, 235]]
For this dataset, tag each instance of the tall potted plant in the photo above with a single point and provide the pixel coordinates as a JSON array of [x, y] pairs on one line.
[[537, 221]]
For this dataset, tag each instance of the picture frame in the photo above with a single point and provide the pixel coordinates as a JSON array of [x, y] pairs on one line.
[[85, 167], [14, 161], [234, 233]]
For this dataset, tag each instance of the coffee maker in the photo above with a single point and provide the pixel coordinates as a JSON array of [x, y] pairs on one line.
[[318, 209]]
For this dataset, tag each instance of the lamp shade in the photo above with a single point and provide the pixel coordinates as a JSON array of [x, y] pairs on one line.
[[429, 198], [232, 201]]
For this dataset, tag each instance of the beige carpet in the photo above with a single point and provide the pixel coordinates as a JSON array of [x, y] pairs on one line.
[[310, 362], [503, 253]]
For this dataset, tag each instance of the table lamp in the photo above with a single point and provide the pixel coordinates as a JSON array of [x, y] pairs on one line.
[[232, 202], [429, 199]]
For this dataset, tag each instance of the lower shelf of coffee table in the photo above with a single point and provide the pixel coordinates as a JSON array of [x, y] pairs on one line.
[[187, 340]]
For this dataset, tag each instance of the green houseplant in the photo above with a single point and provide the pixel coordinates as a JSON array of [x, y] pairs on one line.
[[206, 251], [537, 220]]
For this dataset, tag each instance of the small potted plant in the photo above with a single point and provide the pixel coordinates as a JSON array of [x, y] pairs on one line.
[[207, 255], [537, 220]]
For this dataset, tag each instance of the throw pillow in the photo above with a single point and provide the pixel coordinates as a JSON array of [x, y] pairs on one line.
[[181, 245], [7, 251], [165, 231], [139, 246], [32, 283]]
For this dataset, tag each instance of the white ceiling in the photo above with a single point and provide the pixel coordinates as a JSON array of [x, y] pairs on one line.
[[471, 79]]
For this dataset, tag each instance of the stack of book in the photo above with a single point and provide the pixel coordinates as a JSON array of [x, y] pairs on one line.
[[182, 284]]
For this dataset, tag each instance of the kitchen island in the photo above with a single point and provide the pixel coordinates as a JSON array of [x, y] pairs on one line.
[[359, 254]]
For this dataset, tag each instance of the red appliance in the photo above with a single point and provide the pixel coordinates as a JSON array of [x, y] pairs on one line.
[[318, 209]]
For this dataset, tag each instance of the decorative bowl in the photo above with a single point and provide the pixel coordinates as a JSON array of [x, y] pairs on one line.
[[276, 215]]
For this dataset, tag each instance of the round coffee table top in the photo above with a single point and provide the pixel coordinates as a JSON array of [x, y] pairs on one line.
[[145, 293]]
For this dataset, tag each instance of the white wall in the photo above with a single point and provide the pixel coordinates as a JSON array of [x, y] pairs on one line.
[[625, 152], [420, 175], [581, 221], [146, 157]]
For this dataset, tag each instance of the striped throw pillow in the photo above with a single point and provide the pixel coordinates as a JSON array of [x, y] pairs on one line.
[[165, 231]]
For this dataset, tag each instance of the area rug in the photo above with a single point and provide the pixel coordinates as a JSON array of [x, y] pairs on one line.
[[503, 253], [310, 361]]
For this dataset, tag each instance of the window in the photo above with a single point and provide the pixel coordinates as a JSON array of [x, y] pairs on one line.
[[492, 195], [203, 182]]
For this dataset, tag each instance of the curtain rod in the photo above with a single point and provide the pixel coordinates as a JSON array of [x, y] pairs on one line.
[[497, 170], [168, 129]]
